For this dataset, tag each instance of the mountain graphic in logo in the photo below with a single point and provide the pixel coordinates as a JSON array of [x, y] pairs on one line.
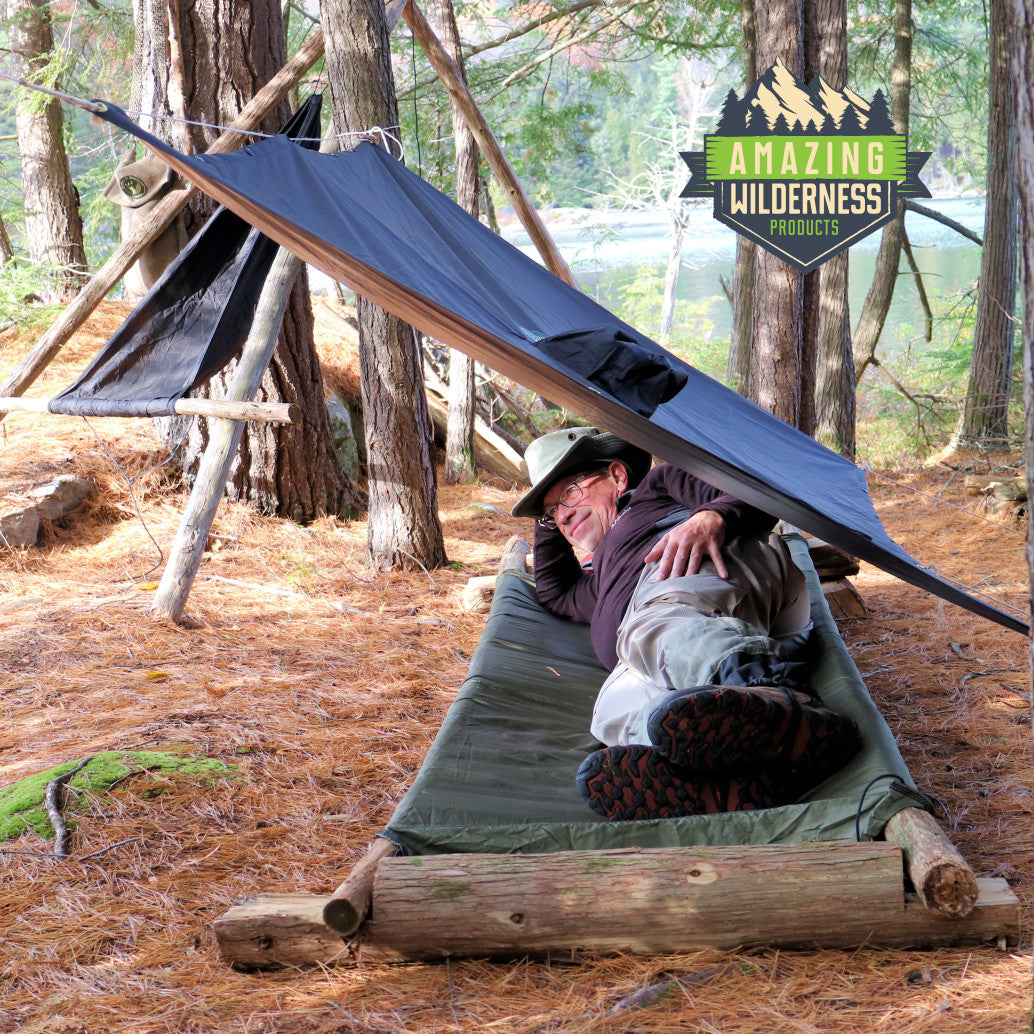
[[805, 172]]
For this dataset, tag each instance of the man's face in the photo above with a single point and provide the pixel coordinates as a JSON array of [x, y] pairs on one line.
[[587, 513]]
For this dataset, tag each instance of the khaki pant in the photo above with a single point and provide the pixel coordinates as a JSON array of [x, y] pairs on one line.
[[676, 633]]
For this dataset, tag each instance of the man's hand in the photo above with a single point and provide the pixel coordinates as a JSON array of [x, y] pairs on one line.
[[683, 549]]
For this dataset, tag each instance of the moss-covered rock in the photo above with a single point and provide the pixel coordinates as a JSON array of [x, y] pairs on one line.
[[22, 807]]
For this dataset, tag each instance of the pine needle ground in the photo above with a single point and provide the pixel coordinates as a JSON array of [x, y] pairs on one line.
[[321, 682]]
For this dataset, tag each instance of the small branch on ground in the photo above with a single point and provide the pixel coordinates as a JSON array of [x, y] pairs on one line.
[[53, 800]]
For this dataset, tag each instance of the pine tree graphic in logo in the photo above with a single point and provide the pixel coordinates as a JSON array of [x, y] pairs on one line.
[[804, 172]]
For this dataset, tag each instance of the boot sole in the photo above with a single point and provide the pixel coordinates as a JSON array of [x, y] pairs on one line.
[[630, 783], [724, 729]]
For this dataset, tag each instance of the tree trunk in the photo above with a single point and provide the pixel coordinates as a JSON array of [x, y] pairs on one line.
[[776, 360], [53, 225], [230, 50], [459, 438], [403, 527], [877, 301], [826, 47], [6, 251], [671, 275], [738, 371], [986, 417], [1023, 87]]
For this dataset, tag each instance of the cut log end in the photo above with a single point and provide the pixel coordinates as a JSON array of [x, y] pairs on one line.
[[342, 916], [940, 875], [950, 889]]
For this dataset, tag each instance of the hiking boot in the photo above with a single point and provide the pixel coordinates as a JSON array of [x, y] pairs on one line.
[[725, 729], [626, 783]]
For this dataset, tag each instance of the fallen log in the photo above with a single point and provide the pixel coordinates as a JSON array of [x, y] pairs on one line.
[[816, 903], [491, 452], [940, 875]]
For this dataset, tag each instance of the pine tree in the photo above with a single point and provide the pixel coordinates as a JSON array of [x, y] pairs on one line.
[[850, 123], [757, 122], [880, 121], [733, 118]]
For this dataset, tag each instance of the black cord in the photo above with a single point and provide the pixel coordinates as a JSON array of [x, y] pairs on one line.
[[898, 785]]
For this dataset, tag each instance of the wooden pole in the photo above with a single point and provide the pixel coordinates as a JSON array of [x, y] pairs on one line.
[[940, 875], [185, 557], [345, 911], [261, 412], [156, 222], [467, 106]]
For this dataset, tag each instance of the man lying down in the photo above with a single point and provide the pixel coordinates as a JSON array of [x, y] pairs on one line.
[[702, 618]]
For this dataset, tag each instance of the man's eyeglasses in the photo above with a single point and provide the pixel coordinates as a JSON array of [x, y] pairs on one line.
[[571, 496]]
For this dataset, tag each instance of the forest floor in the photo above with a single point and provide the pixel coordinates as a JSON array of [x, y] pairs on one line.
[[320, 682]]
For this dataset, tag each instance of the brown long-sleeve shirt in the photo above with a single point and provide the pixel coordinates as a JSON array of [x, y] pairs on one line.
[[601, 596]]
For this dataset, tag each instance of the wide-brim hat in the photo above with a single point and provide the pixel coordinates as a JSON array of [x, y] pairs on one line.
[[571, 451]]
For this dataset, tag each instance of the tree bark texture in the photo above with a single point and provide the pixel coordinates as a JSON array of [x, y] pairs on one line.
[[459, 439], [834, 388], [403, 528], [1023, 78], [986, 417], [738, 369], [53, 225], [778, 307], [877, 301], [231, 49]]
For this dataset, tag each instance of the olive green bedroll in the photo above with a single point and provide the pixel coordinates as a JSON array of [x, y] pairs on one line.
[[499, 777]]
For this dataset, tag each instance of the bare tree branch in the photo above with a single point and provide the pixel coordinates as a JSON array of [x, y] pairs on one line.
[[931, 213], [906, 246]]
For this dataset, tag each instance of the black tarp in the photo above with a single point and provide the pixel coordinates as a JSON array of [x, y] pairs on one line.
[[364, 219], [192, 322]]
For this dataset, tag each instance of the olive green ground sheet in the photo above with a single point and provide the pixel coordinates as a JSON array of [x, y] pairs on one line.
[[499, 777]]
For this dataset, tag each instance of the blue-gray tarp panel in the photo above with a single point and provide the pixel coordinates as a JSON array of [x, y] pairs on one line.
[[192, 322]]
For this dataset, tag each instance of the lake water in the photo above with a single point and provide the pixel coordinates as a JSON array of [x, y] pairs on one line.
[[607, 250]]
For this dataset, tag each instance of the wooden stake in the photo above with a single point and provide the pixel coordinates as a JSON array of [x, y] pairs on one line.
[[465, 103], [156, 222], [261, 412], [345, 911], [940, 875], [185, 557]]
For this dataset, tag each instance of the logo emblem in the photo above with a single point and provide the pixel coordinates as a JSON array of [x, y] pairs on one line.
[[805, 172]]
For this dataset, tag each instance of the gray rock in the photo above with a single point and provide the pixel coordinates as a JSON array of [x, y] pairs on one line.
[[19, 527], [345, 445], [60, 496]]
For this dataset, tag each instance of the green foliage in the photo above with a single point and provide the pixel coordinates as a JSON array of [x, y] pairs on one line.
[[22, 807], [948, 112], [21, 285], [693, 339]]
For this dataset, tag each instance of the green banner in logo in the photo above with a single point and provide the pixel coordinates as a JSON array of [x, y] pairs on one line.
[[815, 157]]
